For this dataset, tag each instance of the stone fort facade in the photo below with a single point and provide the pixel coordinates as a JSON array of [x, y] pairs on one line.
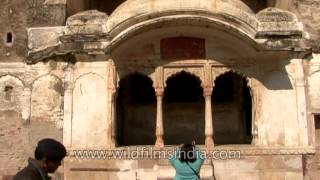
[[234, 75]]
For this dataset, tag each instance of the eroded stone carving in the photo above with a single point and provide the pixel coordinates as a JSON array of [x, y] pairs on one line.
[[276, 23], [87, 22]]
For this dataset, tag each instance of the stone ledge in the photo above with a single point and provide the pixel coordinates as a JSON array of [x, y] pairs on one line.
[[245, 150]]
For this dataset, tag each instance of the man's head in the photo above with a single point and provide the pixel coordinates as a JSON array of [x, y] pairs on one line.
[[49, 153]]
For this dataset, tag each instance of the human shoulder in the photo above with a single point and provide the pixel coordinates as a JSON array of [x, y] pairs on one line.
[[28, 173]]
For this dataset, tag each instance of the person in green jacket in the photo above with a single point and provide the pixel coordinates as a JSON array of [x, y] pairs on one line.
[[187, 162]]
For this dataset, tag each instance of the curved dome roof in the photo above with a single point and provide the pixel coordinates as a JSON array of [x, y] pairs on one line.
[[138, 8]]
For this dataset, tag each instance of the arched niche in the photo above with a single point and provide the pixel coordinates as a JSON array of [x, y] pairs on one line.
[[136, 111], [90, 108], [11, 91], [13, 132], [232, 109], [183, 109], [46, 115], [47, 100]]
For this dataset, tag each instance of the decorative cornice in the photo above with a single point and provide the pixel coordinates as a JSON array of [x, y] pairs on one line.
[[88, 32]]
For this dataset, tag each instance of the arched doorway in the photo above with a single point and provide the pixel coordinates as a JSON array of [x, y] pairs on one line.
[[136, 111], [232, 110], [183, 109]]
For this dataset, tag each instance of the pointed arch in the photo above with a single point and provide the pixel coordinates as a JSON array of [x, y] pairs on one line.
[[183, 109], [197, 73], [232, 109], [136, 110]]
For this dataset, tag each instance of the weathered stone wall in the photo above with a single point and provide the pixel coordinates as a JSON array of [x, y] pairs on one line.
[[17, 15], [309, 12], [90, 121], [19, 130], [13, 19], [313, 77], [312, 69], [277, 167], [13, 131], [46, 12]]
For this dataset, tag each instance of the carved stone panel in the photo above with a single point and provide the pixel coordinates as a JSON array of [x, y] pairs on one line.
[[170, 71]]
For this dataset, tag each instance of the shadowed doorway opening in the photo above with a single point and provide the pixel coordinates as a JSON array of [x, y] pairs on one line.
[[136, 111], [232, 110], [183, 110]]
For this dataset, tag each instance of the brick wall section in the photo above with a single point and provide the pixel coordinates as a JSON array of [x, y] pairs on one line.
[[13, 142], [17, 136]]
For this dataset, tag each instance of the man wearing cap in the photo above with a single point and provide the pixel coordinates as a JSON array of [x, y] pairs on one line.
[[48, 156]]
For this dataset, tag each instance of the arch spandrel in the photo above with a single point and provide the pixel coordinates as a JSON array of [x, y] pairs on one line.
[[125, 71], [195, 71]]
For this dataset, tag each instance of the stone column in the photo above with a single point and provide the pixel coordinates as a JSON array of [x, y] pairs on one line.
[[112, 89], [26, 110], [68, 101], [112, 102], [208, 117], [159, 123], [300, 85]]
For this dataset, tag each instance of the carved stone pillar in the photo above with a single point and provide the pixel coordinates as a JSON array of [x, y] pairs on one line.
[[112, 89], [300, 84], [207, 93], [159, 125], [112, 103], [255, 102], [26, 110], [68, 101]]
